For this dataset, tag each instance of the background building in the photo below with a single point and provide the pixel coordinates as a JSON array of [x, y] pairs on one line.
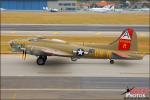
[[69, 5], [38, 4], [63, 5], [23, 4]]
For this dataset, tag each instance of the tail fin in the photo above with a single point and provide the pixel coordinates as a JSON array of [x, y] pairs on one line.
[[127, 41]]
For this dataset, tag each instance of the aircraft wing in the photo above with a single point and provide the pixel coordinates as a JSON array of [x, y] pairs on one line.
[[37, 50]]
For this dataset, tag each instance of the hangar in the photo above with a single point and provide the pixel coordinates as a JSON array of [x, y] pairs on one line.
[[38, 4]]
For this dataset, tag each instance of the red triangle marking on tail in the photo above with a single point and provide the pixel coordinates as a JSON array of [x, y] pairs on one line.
[[125, 39]]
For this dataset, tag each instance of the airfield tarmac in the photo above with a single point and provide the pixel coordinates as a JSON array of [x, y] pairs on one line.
[[61, 78], [70, 27], [13, 65]]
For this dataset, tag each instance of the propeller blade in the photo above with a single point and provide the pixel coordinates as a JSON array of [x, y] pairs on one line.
[[25, 54]]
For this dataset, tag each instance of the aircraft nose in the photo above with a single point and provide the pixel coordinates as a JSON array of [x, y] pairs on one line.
[[15, 45], [11, 43]]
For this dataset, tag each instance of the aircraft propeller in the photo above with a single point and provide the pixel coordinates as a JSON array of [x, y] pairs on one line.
[[24, 52]]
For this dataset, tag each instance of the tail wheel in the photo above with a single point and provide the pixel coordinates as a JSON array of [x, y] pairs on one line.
[[112, 62], [41, 60]]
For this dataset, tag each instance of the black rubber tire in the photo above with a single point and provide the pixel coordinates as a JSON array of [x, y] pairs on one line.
[[41, 61], [44, 57], [112, 62]]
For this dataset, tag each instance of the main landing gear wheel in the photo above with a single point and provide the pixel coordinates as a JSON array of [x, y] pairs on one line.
[[112, 62], [41, 60], [74, 58]]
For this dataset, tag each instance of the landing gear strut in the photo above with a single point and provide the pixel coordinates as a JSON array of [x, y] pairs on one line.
[[112, 62], [74, 58], [41, 60]]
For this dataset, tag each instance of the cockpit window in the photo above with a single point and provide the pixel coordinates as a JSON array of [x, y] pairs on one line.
[[33, 40]]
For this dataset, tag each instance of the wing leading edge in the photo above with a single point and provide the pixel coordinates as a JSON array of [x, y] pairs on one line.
[[37, 50]]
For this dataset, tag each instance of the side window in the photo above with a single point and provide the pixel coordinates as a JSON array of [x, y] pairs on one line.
[[60, 4], [91, 50], [67, 4], [73, 4]]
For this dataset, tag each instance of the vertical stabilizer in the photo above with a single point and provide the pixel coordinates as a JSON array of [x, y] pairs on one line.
[[127, 41]]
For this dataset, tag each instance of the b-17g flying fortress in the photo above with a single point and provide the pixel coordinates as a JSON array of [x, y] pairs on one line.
[[125, 47], [75, 49]]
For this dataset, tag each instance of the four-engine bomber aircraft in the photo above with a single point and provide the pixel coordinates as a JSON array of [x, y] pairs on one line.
[[125, 47]]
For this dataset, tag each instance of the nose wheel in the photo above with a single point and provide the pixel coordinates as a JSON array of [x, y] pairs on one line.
[[112, 62], [41, 60]]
